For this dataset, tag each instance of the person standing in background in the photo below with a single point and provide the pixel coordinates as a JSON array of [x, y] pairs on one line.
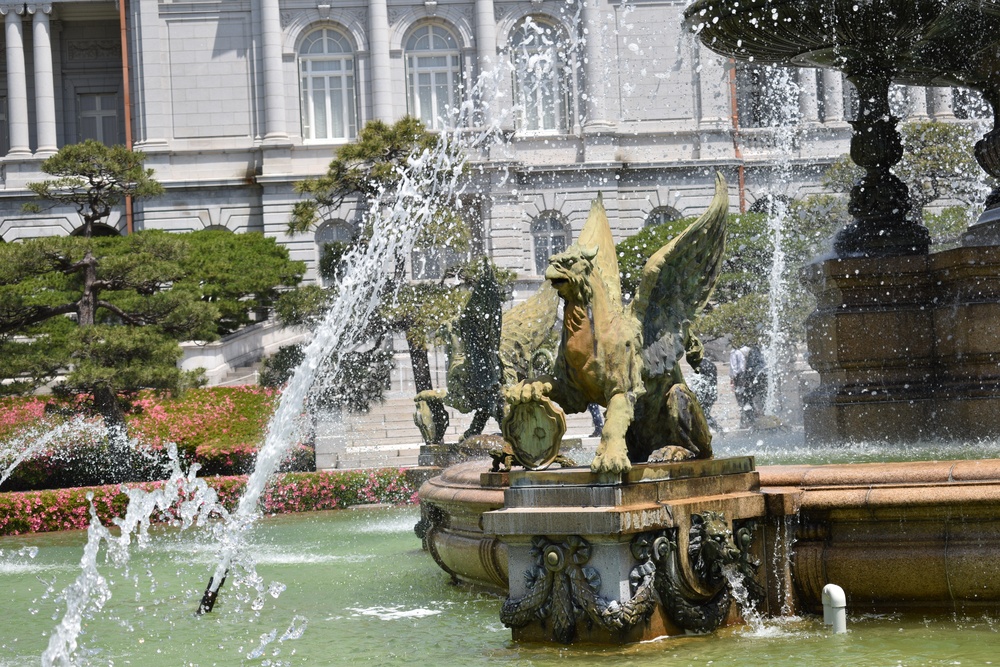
[[738, 381]]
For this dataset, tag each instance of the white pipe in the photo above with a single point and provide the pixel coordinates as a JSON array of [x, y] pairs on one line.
[[835, 608]]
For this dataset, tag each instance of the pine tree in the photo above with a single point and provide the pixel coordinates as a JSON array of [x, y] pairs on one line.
[[101, 316], [368, 171]]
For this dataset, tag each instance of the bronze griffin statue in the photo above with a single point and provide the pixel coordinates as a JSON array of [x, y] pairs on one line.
[[624, 357]]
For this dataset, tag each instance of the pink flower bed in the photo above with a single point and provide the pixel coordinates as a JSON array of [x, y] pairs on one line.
[[69, 509], [219, 428], [220, 417], [19, 412]]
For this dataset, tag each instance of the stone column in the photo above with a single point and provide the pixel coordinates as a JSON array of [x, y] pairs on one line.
[[486, 50], [17, 83], [275, 128], [942, 104], [378, 46], [918, 103], [594, 57], [879, 201], [808, 103], [833, 96], [45, 96]]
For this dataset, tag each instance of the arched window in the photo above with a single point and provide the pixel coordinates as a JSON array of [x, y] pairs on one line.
[[332, 240], [549, 237], [660, 215], [543, 75], [433, 75], [326, 80]]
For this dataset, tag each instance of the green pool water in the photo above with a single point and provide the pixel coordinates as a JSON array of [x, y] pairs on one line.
[[369, 596]]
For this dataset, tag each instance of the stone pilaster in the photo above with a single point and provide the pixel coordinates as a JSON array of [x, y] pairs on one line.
[[918, 103], [833, 97], [942, 104], [593, 67], [486, 51]]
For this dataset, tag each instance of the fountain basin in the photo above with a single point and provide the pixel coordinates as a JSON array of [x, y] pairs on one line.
[[906, 347], [370, 597], [896, 536]]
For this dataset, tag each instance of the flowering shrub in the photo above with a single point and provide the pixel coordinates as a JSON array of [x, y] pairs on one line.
[[18, 412], [239, 459], [89, 463], [218, 417], [220, 428], [68, 509]]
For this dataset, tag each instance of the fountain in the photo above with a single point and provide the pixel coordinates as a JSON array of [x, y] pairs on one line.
[[625, 551], [894, 336], [903, 342]]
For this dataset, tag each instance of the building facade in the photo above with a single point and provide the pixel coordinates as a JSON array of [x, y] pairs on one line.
[[233, 101]]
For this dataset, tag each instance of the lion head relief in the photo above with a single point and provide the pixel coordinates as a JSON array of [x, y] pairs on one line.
[[570, 273]]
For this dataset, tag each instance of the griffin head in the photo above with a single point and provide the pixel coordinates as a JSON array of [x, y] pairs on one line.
[[569, 272]]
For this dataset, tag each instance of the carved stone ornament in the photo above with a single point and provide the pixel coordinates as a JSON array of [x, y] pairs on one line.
[[433, 519], [703, 604], [563, 590], [535, 431], [92, 49]]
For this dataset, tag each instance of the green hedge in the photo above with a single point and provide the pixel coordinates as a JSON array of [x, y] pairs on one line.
[[69, 509]]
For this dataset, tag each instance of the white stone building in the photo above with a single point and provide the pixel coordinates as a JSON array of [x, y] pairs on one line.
[[235, 100]]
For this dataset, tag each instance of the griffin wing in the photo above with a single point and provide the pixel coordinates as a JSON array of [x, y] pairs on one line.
[[597, 232], [528, 328], [676, 283]]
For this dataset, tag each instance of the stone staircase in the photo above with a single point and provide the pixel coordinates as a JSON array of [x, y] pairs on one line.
[[240, 375], [387, 436]]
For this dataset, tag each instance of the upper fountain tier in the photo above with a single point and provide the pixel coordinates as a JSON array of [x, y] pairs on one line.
[[855, 36], [874, 42]]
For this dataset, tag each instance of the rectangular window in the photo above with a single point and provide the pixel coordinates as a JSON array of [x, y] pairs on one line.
[[434, 82], [98, 117], [328, 99]]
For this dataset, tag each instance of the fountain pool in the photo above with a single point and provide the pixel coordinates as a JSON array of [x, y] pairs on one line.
[[365, 594]]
